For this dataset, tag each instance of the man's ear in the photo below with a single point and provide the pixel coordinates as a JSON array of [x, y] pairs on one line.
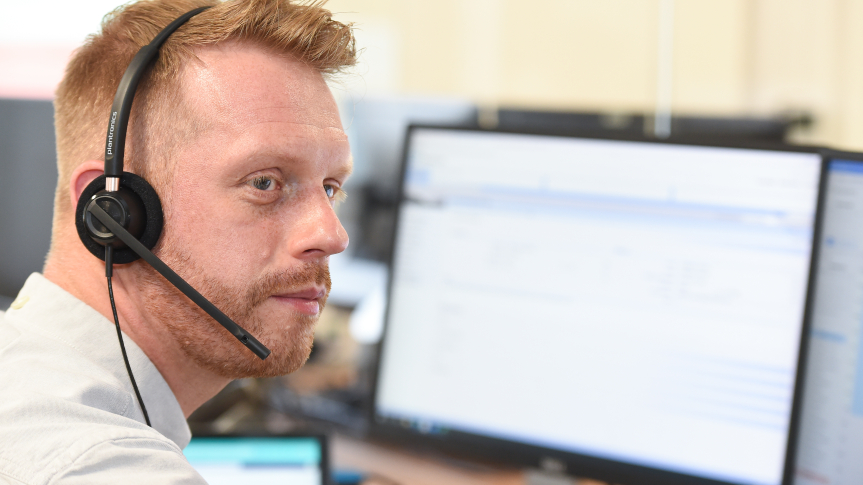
[[82, 176]]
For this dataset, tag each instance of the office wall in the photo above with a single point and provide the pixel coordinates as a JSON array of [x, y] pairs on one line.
[[741, 57], [749, 57]]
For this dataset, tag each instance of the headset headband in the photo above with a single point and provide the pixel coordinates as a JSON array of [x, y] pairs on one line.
[[115, 144]]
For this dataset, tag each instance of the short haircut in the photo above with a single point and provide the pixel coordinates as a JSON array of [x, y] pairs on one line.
[[303, 30]]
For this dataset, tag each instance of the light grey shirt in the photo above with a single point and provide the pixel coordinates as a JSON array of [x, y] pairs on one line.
[[68, 413]]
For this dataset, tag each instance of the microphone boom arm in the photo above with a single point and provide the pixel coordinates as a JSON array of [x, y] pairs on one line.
[[242, 335]]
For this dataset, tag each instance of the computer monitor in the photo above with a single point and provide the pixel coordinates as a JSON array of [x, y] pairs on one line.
[[831, 433], [628, 311]]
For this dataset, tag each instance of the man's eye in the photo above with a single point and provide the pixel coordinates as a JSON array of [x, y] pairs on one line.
[[263, 183], [334, 193]]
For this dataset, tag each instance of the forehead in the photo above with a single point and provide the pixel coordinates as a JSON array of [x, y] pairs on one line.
[[250, 109], [241, 85]]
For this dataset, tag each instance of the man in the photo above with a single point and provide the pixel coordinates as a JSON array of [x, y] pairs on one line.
[[235, 128]]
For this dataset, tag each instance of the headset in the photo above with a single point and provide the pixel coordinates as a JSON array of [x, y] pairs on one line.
[[119, 214]]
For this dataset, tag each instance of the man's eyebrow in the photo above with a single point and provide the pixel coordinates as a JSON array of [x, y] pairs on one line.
[[345, 170]]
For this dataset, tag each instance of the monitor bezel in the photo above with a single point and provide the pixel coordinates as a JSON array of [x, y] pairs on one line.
[[497, 450], [830, 154]]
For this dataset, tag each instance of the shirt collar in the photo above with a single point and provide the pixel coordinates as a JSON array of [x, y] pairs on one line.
[[68, 319]]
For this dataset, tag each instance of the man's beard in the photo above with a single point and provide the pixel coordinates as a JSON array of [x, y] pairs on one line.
[[209, 344]]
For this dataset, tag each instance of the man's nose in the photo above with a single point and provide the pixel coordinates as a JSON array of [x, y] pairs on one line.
[[319, 232]]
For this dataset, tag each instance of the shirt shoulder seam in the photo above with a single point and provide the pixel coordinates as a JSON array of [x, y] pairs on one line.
[[9, 473], [165, 444]]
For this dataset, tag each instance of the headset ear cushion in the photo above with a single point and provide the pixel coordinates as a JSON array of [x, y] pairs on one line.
[[153, 216]]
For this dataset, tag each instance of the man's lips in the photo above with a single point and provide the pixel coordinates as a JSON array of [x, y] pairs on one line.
[[304, 301]]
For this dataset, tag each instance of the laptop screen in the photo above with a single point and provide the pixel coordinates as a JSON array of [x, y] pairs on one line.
[[298, 460]]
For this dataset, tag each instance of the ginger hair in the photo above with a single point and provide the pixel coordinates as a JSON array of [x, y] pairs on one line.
[[160, 116]]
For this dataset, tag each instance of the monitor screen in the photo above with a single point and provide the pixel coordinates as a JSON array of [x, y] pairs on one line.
[[831, 428], [299, 460], [637, 306]]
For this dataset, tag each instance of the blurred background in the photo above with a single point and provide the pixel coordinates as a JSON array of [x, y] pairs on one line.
[[766, 70], [714, 57], [709, 57]]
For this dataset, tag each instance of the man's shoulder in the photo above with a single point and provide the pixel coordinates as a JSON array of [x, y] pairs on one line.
[[126, 459], [66, 413], [52, 439]]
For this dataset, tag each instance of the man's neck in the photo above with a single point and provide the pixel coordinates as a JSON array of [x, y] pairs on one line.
[[79, 273]]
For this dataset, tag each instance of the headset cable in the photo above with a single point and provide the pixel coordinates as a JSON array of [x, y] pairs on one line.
[[109, 269]]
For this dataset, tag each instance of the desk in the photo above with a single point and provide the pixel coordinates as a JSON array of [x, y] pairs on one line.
[[410, 468]]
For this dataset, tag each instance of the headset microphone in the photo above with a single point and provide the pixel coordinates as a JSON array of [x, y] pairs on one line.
[[119, 215]]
